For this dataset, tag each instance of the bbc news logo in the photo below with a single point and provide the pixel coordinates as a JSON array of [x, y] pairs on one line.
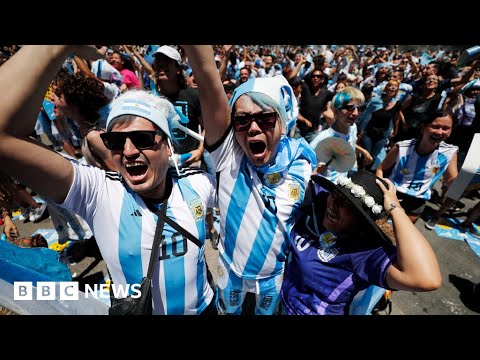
[[68, 290]]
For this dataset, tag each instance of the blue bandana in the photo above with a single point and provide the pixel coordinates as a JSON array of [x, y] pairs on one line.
[[289, 150]]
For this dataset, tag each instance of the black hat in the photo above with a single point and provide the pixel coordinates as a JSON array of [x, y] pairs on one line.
[[364, 194]]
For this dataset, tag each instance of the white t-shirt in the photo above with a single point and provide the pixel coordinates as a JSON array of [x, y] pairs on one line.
[[124, 229]]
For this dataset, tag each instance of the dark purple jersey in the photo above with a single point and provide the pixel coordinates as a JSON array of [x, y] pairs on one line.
[[323, 276]]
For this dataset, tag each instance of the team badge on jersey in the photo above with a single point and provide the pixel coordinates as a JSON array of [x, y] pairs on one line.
[[434, 169], [273, 179], [196, 207], [327, 240], [326, 255], [294, 191], [220, 271]]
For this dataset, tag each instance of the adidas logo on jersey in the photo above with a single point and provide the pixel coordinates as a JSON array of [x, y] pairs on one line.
[[136, 213]]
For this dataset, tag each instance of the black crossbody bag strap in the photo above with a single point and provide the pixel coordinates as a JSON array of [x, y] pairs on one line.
[[162, 215], [156, 244], [173, 224], [158, 236]]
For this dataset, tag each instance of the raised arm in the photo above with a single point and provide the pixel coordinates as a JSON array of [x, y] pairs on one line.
[[214, 102], [83, 67], [416, 267], [467, 74], [227, 49], [23, 84], [297, 68], [146, 66]]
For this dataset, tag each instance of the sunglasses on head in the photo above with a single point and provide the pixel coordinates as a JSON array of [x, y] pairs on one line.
[[141, 139], [352, 107], [264, 121]]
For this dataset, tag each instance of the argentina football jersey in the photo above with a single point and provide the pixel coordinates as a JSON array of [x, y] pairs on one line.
[[415, 174], [256, 223], [180, 274]]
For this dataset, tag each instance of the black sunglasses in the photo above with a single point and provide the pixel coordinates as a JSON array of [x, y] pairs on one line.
[[143, 139], [264, 120], [317, 76], [351, 108]]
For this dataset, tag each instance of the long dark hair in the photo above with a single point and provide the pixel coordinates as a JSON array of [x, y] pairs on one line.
[[431, 116], [127, 63]]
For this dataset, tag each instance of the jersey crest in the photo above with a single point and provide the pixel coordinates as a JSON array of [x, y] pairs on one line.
[[294, 191]]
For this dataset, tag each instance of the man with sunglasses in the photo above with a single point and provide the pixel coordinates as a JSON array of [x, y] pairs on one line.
[[116, 205], [261, 175], [346, 108], [315, 98]]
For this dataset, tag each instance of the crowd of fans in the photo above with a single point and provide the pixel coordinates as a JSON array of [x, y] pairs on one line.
[[419, 114]]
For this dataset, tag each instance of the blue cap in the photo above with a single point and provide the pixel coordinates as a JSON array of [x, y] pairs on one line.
[[130, 106]]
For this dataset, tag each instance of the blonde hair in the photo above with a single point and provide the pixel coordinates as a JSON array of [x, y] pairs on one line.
[[398, 82], [346, 95]]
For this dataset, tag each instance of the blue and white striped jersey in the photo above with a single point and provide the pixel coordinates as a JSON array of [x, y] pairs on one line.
[[403, 91], [350, 137], [256, 210], [124, 229], [415, 174]]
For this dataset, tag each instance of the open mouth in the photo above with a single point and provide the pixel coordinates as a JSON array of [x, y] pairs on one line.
[[436, 138], [332, 216], [136, 169], [162, 70], [257, 147]]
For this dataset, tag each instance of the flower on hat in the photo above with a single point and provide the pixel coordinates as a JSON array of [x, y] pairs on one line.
[[359, 192], [377, 209], [345, 181], [369, 201]]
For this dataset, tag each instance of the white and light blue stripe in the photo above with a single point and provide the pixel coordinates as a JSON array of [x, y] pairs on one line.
[[125, 240], [415, 174]]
